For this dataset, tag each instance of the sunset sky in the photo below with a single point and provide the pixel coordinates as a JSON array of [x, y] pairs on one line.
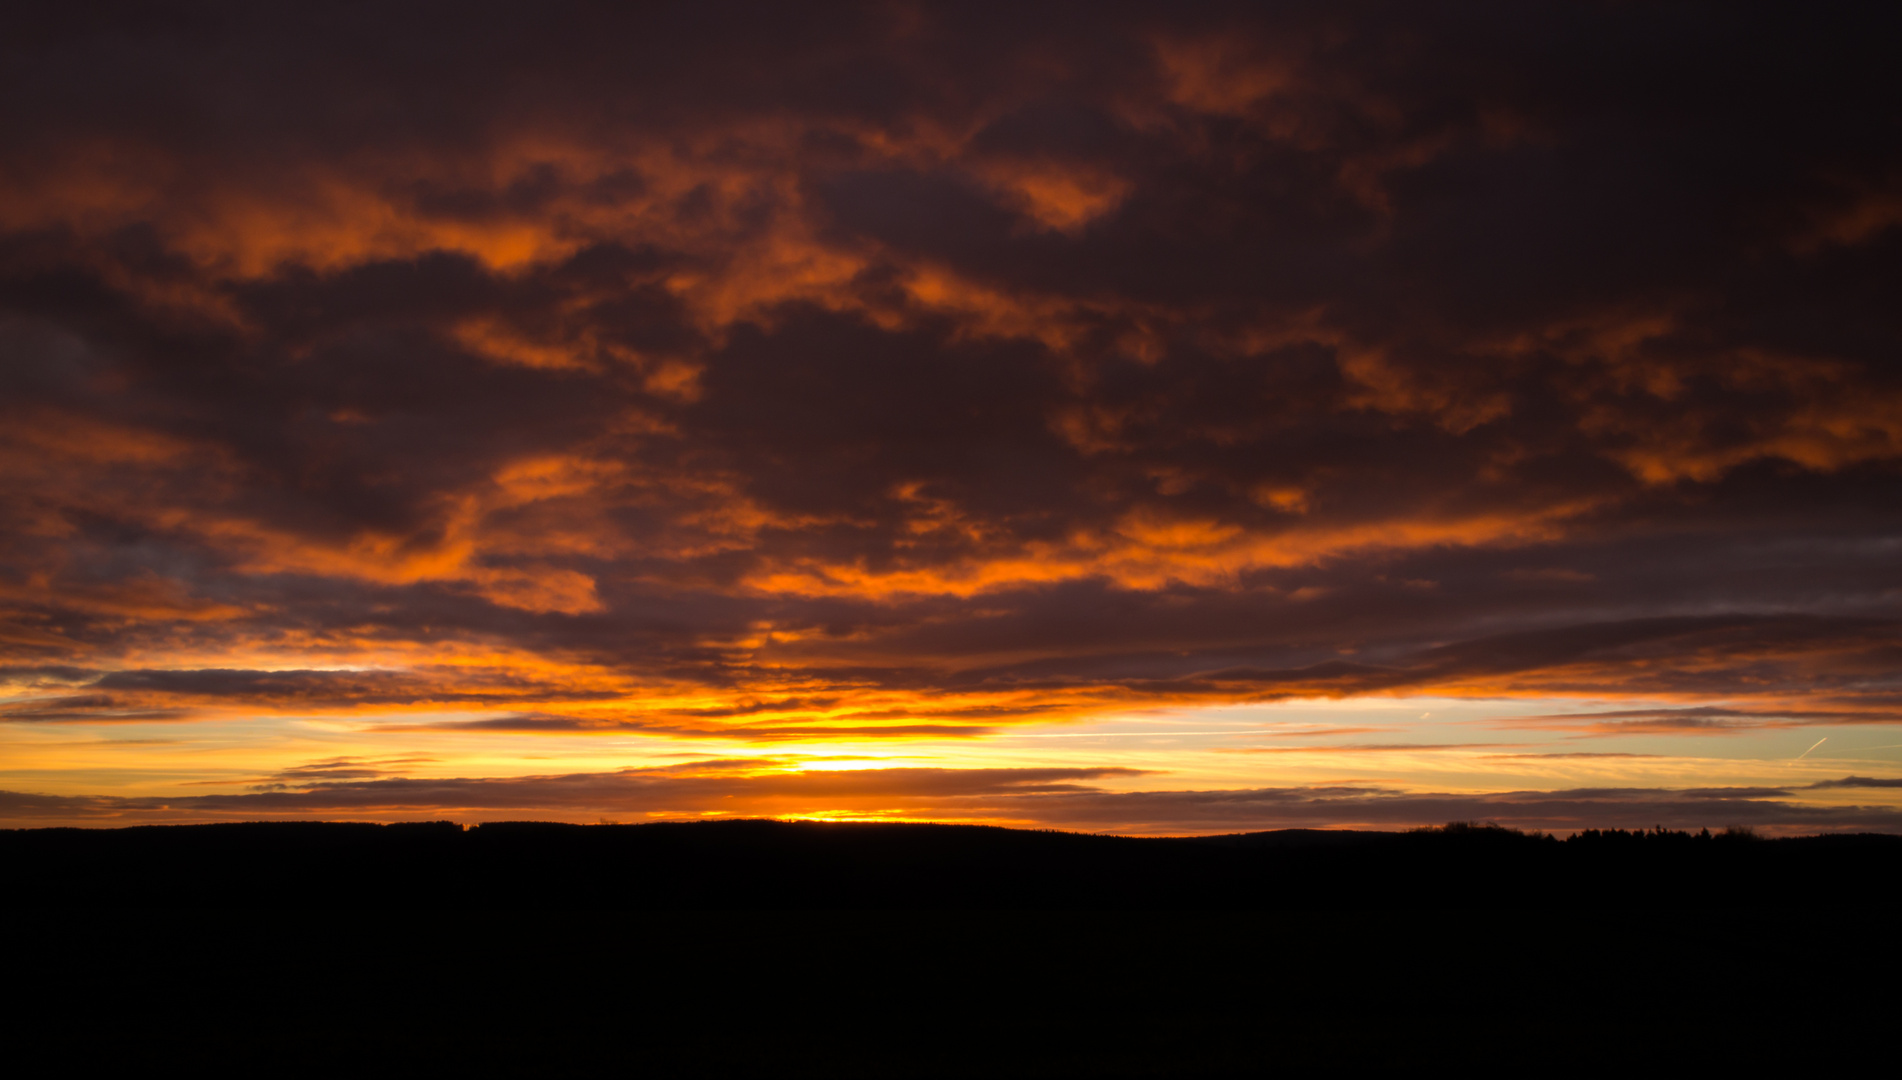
[[1142, 418]]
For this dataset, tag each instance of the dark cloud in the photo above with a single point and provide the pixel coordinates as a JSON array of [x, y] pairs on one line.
[[687, 788], [142, 694], [88, 708], [1858, 782], [1700, 718]]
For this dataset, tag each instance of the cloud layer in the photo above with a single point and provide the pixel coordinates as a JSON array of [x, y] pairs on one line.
[[1062, 798], [929, 370]]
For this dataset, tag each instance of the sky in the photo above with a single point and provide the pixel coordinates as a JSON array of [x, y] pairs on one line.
[[1138, 418]]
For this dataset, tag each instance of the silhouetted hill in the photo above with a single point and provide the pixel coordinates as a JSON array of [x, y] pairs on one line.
[[769, 864]]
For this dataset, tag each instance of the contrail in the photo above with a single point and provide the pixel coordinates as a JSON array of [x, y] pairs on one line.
[[1813, 746]]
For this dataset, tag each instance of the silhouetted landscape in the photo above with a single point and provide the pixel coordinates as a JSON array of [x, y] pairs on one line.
[[745, 948], [770, 864]]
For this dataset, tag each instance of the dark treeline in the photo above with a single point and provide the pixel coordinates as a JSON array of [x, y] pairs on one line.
[[768, 864]]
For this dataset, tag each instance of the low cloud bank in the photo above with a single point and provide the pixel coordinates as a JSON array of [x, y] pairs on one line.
[[1067, 798]]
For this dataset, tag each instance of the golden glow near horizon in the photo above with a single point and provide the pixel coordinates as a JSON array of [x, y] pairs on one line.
[[1359, 753]]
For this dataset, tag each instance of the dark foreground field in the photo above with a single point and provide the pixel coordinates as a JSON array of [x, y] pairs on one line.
[[766, 864], [763, 949]]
